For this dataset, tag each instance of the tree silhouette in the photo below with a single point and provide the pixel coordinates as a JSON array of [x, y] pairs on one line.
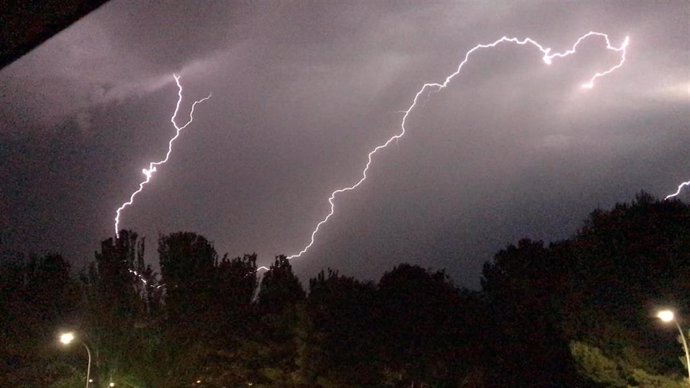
[[37, 295], [578, 312], [523, 287], [116, 308], [420, 321], [236, 284], [275, 349], [280, 288], [187, 262], [340, 326]]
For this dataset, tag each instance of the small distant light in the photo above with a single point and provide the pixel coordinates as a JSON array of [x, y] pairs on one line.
[[666, 315], [91, 380], [67, 338], [111, 384], [198, 381]]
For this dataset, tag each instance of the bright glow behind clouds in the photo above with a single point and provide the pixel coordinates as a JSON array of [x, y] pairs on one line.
[[301, 93], [547, 58]]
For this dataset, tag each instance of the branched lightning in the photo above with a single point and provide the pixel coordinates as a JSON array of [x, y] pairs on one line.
[[547, 58], [142, 279], [148, 172]]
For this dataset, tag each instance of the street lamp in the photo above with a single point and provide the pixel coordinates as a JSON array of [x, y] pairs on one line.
[[667, 316], [69, 337]]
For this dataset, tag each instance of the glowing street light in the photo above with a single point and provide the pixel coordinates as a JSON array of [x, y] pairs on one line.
[[66, 338], [667, 316], [69, 337]]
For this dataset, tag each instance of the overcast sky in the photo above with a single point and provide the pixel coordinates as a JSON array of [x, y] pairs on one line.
[[303, 90]]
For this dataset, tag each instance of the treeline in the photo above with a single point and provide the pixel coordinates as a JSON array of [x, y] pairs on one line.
[[575, 313]]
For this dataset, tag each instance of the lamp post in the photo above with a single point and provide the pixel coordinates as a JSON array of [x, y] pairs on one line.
[[667, 316], [66, 339]]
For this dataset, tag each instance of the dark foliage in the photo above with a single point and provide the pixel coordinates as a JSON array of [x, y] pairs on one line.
[[578, 313], [37, 295]]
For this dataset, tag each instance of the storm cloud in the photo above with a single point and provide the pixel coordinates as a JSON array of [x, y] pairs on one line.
[[303, 90]]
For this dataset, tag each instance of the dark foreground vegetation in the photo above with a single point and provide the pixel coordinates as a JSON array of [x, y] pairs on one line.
[[576, 313]]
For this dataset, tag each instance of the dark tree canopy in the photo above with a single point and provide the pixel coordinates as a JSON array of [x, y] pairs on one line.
[[37, 297], [577, 312], [280, 288]]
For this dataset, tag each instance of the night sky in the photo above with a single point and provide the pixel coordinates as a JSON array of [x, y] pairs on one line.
[[303, 90]]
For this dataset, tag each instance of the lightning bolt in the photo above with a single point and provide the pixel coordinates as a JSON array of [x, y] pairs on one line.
[[680, 188], [547, 58], [148, 172], [141, 278]]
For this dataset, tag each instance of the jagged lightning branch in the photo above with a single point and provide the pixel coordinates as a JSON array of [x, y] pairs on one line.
[[148, 172], [547, 58]]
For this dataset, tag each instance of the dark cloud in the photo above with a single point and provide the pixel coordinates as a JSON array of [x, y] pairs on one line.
[[302, 91]]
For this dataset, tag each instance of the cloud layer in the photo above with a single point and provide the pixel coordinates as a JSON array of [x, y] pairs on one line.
[[302, 91]]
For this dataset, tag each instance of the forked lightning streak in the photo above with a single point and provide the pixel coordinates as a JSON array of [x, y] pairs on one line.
[[153, 166], [547, 58]]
